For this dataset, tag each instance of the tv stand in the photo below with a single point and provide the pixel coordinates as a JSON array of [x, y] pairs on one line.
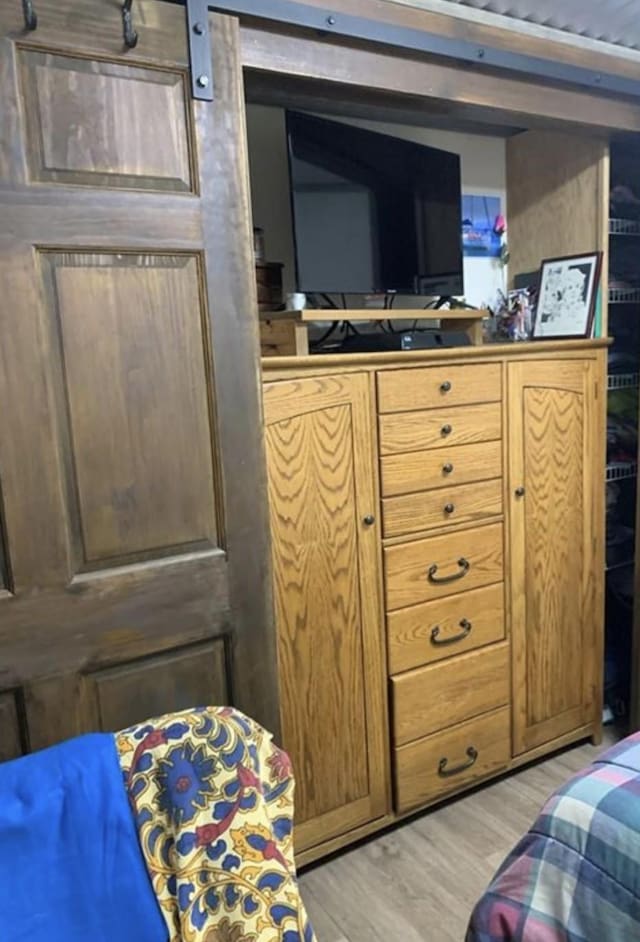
[[286, 333]]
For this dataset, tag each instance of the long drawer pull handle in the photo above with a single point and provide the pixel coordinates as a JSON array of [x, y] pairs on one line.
[[453, 639], [444, 772], [464, 566]]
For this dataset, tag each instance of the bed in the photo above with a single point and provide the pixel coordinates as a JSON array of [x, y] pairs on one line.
[[575, 876]]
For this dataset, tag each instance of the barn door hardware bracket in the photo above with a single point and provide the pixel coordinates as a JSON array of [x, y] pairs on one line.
[[200, 50], [30, 18], [128, 32]]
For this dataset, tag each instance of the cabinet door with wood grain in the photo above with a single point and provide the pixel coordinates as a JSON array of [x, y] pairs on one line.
[[556, 527], [322, 495]]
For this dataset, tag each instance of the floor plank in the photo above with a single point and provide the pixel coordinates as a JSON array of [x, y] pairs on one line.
[[420, 880]]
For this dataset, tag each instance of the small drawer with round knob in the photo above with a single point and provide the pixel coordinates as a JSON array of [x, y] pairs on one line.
[[440, 428], [427, 510], [430, 387], [424, 470]]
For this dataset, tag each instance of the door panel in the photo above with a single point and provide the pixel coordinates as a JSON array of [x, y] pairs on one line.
[[79, 116], [137, 373], [135, 522], [193, 675], [10, 744], [327, 599], [554, 621]]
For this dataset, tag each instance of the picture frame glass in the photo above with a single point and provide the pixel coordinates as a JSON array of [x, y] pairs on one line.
[[567, 296]]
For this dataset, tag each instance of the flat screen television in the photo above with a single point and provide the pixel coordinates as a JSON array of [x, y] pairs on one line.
[[372, 213]]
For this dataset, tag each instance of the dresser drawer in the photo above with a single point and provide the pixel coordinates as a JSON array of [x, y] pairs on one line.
[[426, 633], [434, 386], [453, 759], [435, 697], [440, 428], [438, 566], [464, 504], [456, 464]]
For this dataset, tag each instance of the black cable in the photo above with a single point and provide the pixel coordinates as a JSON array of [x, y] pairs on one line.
[[330, 302], [344, 301], [392, 300], [325, 336]]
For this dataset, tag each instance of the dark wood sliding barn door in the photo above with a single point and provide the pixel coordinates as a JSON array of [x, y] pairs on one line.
[[133, 552]]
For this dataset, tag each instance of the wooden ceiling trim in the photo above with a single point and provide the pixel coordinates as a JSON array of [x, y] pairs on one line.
[[505, 99]]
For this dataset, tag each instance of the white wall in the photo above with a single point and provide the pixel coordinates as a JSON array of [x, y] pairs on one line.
[[483, 165]]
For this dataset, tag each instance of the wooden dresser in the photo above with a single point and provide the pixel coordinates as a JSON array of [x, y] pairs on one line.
[[437, 525]]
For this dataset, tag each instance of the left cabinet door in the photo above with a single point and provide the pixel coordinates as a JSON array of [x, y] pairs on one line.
[[321, 462]]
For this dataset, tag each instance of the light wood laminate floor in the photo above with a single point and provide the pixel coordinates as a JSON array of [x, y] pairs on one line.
[[420, 880]]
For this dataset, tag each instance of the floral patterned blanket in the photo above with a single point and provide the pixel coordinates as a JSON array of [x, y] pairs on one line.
[[212, 799]]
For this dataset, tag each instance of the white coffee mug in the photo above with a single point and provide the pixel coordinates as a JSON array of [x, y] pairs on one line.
[[296, 301]]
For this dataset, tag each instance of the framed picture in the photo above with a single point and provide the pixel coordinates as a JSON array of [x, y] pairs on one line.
[[567, 296]]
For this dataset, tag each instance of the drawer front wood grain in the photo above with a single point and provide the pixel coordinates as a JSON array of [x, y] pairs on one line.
[[435, 386], [431, 632], [435, 697], [467, 503], [440, 428], [456, 464], [465, 560], [438, 765]]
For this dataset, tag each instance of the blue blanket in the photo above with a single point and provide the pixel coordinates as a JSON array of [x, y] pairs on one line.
[[71, 868]]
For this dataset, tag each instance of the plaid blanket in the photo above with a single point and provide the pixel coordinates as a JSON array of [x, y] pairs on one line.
[[575, 877]]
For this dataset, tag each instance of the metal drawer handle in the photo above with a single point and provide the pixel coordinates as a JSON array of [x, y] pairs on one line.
[[464, 565], [445, 387], [447, 468], [446, 430], [453, 639], [444, 772], [449, 508]]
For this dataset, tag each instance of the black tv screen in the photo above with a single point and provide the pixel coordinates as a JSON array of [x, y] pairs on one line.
[[372, 213]]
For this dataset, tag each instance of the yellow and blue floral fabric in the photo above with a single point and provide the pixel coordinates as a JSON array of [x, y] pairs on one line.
[[212, 799]]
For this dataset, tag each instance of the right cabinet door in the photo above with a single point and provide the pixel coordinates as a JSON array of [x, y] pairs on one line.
[[556, 488]]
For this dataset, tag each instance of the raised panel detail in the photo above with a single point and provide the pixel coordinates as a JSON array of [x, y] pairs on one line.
[[98, 124], [5, 581], [554, 514], [134, 372], [129, 694], [10, 738]]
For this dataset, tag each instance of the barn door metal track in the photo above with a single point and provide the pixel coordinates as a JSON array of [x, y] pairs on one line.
[[332, 21]]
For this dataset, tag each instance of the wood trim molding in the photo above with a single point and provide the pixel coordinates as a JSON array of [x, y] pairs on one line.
[[500, 98]]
